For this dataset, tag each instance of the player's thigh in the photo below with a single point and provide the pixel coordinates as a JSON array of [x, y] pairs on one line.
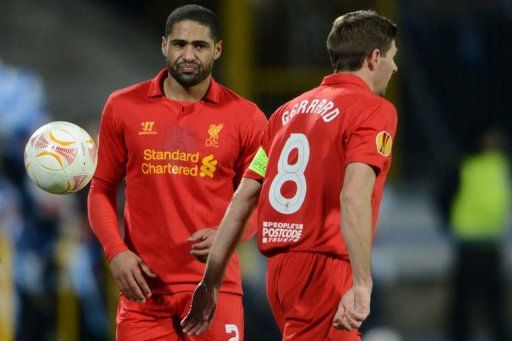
[[228, 323], [272, 281], [317, 327], [310, 301], [147, 321]]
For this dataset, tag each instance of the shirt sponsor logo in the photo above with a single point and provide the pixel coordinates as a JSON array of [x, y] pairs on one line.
[[178, 162], [279, 232], [384, 143], [209, 164], [147, 128], [213, 131]]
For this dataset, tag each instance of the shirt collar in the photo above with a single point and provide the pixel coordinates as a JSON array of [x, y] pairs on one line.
[[345, 78], [156, 88]]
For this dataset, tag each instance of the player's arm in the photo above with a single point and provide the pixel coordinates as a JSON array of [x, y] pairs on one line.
[[355, 199], [356, 224], [228, 236], [231, 230], [101, 204], [127, 268], [251, 143]]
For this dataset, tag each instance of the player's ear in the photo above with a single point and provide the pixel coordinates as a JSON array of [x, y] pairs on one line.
[[164, 46], [373, 59], [218, 50]]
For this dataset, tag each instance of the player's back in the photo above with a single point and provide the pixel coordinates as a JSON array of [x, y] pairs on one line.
[[310, 140]]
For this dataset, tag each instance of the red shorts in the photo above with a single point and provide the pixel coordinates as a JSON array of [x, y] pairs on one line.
[[304, 290], [159, 318]]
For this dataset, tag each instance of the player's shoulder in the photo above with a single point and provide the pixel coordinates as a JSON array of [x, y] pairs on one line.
[[384, 104], [370, 102], [134, 91]]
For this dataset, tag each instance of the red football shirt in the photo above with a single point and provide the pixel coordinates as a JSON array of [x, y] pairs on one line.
[[309, 142], [181, 163]]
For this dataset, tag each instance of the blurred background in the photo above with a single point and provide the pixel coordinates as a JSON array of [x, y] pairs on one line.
[[443, 252]]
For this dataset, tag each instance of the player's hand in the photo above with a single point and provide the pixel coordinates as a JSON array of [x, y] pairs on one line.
[[202, 243], [201, 311], [128, 270], [353, 309]]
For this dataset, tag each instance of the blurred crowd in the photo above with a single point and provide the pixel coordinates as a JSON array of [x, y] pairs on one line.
[[48, 253]]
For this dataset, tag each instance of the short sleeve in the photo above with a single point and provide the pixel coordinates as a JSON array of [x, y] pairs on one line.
[[250, 141], [257, 168], [370, 137]]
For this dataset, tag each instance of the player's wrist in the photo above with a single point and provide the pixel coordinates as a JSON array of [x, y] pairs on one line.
[[208, 286], [112, 252], [364, 285], [211, 282]]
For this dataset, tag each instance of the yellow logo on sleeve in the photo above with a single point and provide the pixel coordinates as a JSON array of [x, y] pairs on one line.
[[259, 162], [214, 131], [384, 143]]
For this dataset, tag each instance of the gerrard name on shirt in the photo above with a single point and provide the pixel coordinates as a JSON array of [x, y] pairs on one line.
[[322, 107]]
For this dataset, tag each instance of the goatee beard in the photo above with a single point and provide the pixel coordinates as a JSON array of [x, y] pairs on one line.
[[187, 80]]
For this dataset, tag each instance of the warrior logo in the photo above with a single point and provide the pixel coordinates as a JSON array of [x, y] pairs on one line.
[[147, 128]]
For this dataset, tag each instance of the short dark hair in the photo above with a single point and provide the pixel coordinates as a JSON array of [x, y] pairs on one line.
[[355, 35], [196, 13]]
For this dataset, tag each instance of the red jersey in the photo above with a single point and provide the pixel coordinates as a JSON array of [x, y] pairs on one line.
[[181, 164], [309, 142]]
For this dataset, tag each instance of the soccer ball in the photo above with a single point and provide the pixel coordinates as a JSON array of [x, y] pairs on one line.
[[60, 157]]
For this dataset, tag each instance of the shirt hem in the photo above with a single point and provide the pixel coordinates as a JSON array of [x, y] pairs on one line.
[[345, 256], [176, 288]]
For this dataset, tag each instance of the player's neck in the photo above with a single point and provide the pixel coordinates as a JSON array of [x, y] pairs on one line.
[[176, 91], [364, 75]]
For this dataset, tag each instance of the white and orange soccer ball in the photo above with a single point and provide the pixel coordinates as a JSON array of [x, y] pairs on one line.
[[60, 157]]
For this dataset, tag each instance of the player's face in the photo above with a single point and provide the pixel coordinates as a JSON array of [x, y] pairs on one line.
[[385, 69], [190, 52]]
